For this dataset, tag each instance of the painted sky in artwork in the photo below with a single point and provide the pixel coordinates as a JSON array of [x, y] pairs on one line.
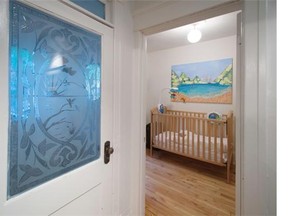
[[210, 69]]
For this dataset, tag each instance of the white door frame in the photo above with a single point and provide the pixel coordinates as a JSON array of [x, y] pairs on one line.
[[142, 44]]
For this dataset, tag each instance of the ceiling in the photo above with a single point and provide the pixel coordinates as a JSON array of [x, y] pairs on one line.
[[214, 28]]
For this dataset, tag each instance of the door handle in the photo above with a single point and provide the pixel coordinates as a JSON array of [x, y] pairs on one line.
[[107, 152]]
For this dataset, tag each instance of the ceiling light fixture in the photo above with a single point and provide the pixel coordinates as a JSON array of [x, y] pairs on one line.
[[194, 35]]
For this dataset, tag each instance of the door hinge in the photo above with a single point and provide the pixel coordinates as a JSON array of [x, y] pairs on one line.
[[107, 152]]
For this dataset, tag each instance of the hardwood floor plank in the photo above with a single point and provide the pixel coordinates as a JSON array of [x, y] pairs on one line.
[[176, 185]]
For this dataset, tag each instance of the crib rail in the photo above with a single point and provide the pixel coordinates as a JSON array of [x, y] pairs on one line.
[[193, 135]]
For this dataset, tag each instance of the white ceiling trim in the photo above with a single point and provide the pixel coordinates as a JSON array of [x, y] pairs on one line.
[[195, 17]]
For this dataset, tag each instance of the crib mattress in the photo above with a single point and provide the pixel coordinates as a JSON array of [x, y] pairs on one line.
[[174, 142]]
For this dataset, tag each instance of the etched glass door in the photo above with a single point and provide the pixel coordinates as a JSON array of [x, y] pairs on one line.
[[55, 73], [58, 76]]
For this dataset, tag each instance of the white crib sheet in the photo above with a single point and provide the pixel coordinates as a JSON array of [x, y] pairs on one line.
[[169, 140]]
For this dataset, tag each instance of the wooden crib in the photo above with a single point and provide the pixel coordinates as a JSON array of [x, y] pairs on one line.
[[193, 135]]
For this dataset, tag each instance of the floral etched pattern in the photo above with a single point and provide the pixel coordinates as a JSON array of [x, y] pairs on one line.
[[55, 89]]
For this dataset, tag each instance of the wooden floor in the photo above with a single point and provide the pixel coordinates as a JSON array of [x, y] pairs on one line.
[[176, 185]]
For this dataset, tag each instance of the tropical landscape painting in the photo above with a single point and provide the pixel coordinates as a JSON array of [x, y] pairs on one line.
[[203, 82]]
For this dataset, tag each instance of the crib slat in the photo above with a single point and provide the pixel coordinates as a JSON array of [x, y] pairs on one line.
[[169, 133], [163, 131], [152, 134], [178, 132], [160, 131], [215, 141], [188, 134], [173, 129], [221, 141], [209, 139], [203, 140], [183, 134], [198, 138], [155, 128], [166, 124], [193, 136]]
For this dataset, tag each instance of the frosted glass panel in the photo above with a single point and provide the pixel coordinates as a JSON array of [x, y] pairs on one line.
[[55, 89]]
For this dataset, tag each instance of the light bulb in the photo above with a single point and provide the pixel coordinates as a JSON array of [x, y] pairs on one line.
[[194, 36]]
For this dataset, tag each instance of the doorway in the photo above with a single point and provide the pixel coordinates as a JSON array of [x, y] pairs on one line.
[[160, 59]]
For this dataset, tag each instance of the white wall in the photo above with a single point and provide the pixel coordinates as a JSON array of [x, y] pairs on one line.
[[159, 72]]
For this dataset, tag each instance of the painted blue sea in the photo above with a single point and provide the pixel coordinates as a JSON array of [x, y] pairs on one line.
[[203, 90]]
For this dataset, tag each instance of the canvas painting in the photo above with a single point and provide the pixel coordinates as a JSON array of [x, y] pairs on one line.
[[203, 82]]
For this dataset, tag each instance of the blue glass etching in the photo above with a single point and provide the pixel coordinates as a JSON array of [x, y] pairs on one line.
[[94, 6], [55, 90]]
